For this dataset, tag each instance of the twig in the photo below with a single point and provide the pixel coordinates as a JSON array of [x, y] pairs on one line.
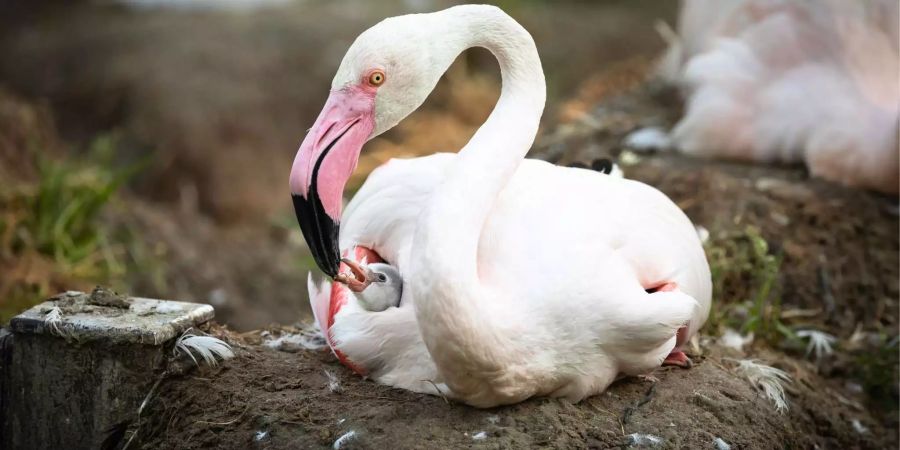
[[144, 404], [827, 295], [204, 422], [436, 388], [631, 409]]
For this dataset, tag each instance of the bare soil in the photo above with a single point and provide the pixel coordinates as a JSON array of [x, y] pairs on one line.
[[271, 399]]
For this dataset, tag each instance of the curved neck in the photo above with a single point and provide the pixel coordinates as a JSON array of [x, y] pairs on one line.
[[448, 290]]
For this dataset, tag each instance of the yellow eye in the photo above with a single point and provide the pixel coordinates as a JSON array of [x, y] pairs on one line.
[[376, 78]]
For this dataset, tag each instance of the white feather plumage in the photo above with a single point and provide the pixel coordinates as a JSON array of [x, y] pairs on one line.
[[334, 384], [344, 439], [734, 340], [820, 343], [767, 378], [644, 440], [306, 339], [53, 319], [209, 349]]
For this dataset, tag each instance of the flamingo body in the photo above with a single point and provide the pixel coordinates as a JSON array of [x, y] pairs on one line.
[[520, 278], [633, 247]]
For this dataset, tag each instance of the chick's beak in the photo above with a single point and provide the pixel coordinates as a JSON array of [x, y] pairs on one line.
[[358, 280]]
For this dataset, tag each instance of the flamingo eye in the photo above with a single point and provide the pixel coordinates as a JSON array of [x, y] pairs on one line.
[[382, 277], [376, 78]]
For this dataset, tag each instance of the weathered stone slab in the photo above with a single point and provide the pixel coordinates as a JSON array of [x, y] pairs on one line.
[[101, 316], [77, 365]]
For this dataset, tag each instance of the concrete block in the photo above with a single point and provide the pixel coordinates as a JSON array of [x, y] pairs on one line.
[[78, 364]]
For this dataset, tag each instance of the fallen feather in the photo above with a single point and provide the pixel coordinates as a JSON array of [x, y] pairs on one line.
[[304, 340], [481, 435], [859, 427], [734, 340], [819, 342], [647, 139], [334, 385], [768, 379], [53, 319], [720, 444], [644, 440], [344, 439], [207, 347]]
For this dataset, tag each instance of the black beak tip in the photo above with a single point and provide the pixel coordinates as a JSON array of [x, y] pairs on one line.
[[320, 232]]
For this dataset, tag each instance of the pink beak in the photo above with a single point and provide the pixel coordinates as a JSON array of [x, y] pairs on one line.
[[326, 159]]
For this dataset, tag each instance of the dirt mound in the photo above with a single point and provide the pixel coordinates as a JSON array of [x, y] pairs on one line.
[[270, 399]]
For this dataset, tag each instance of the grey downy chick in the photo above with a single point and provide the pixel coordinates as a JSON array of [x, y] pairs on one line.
[[377, 286]]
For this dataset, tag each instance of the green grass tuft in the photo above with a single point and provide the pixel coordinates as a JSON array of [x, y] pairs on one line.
[[746, 286], [51, 232]]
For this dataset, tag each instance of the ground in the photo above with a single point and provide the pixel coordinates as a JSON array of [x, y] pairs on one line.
[[266, 398]]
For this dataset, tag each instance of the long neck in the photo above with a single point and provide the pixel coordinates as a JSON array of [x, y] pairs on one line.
[[450, 295]]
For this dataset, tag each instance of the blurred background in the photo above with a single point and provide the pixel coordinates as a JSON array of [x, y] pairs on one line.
[[146, 144]]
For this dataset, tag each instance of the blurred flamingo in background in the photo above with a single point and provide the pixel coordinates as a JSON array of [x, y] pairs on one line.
[[520, 278], [792, 81]]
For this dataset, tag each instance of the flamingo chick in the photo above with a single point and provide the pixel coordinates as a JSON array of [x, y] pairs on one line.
[[377, 286]]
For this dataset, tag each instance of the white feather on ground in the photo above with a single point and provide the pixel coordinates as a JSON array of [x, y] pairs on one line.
[[734, 340], [644, 440], [859, 427], [793, 81], [766, 378], [309, 338], [820, 342], [334, 385], [647, 139], [720, 444], [344, 439], [53, 319], [207, 347]]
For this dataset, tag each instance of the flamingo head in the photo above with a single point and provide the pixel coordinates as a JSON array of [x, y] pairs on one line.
[[386, 74]]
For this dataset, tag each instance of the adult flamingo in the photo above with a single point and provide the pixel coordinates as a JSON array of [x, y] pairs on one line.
[[792, 81], [526, 278]]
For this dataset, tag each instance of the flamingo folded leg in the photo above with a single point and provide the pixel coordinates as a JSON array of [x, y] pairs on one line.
[[676, 357]]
